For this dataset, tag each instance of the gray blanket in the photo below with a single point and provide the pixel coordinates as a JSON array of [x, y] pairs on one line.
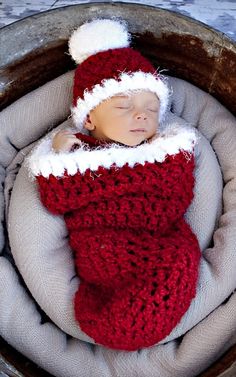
[[208, 328]]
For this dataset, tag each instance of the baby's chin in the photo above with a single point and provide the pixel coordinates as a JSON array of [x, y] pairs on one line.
[[133, 142]]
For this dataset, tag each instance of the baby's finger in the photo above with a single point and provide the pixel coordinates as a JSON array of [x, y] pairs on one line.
[[71, 139], [66, 132], [77, 141]]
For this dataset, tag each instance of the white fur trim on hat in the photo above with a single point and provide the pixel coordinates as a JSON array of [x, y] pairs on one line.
[[126, 84], [44, 161], [95, 36]]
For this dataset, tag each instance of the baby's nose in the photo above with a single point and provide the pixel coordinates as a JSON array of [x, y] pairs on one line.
[[141, 116]]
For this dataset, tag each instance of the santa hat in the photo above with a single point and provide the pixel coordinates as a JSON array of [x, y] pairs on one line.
[[108, 66]]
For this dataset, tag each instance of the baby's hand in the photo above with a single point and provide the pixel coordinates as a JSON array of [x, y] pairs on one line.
[[64, 140]]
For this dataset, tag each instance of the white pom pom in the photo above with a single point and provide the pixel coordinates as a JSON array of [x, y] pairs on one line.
[[96, 36]]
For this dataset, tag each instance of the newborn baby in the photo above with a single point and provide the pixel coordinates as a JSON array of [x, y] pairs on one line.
[[123, 186]]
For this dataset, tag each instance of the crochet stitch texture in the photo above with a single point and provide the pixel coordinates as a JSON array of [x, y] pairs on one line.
[[97, 67], [136, 256]]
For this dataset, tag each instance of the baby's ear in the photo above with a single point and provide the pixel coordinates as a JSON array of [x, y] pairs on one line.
[[88, 124]]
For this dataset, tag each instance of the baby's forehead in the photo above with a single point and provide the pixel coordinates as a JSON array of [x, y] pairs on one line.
[[142, 93]]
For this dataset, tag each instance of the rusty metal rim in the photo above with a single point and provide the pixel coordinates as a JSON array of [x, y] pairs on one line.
[[19, 24], [21, 51]]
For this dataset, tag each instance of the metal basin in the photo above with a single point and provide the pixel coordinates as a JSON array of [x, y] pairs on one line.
[[34, 51]]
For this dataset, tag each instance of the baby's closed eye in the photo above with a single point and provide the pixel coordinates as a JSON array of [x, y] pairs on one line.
[[123, 107], [153, 109]]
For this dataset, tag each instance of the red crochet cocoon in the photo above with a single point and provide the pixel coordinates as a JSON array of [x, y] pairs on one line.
[[136, 256]]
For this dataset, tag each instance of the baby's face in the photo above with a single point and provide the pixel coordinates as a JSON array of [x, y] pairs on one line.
[[125, 118]]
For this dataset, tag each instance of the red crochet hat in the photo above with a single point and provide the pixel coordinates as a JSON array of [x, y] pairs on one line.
[[108, 66]]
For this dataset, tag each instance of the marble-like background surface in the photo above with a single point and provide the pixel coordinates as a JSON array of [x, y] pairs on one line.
[[220, 14]]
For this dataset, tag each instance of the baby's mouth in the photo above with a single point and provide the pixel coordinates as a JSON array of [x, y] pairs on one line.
[[139, 130]]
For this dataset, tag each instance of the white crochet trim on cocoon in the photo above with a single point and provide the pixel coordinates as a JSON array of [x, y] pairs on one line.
[[97, 36], [110, 87], [44, 161]]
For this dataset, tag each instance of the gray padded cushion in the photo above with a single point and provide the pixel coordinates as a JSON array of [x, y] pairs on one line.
[[212, 316], [40, 245]]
